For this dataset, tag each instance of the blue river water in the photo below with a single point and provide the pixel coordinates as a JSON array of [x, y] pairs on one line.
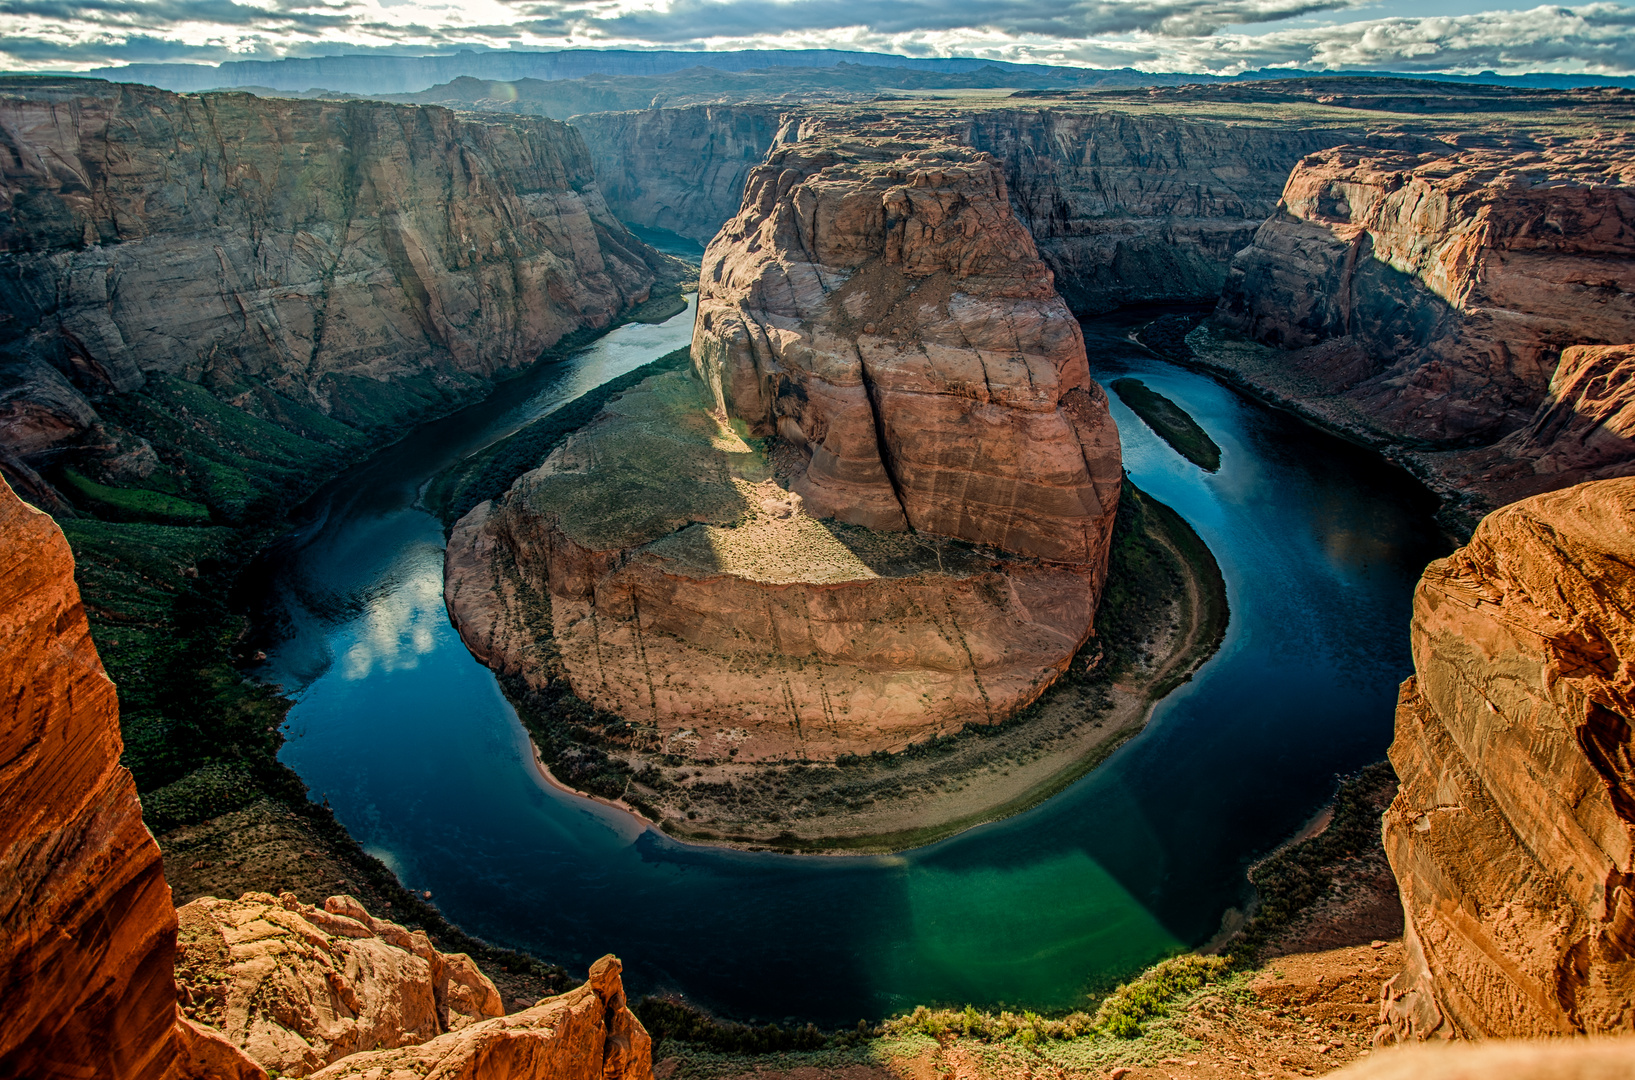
[[425, 763]]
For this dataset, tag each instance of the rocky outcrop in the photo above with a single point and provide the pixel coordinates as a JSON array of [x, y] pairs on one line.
[[881, 309], [678, 169], [1436, 291], [87, 931], [1513, 834], [302, 249], [756, 556], [299, 987], [586, 1034]]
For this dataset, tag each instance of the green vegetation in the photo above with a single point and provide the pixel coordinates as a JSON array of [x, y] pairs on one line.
[[1170, 422], [1292, 878], [490, 473], [134, 504]]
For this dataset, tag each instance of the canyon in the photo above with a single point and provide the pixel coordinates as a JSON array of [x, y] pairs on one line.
[[94, 978], [888, 323], [876, 506], [325, 270]]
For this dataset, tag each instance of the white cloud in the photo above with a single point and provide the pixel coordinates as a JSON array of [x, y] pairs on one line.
[[1157, 35]]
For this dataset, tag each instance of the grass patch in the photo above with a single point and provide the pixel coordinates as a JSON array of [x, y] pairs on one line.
[[489, 473], [132, 504], [1170, 422]]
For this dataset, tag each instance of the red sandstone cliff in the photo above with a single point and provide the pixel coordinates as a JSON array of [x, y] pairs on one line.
[[304, 249], [883, 310], [1443, 286], [1513, 835], [87, 931]]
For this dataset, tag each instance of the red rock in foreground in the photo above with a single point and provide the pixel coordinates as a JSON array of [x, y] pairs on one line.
[[87, 930], [585, 1034], [1513, 834]]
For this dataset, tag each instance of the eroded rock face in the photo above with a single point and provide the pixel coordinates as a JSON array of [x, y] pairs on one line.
[[298, 987], [1131, 208], [87, 931], [1437, 290], [586, 1034], [1513, 834], [886, 313], [658, 562], [299, 245], [678, 169]]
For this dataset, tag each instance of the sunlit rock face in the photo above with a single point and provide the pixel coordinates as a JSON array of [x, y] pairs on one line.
[[877, 508], [87, 930], [1438, 290], [1513, 835], [316, 251], [586, 1034], [298, 987]]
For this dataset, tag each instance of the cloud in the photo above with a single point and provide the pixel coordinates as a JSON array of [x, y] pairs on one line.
[[1216, 36]]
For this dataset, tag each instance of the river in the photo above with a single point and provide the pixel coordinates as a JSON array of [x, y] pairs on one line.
[[425, 763]]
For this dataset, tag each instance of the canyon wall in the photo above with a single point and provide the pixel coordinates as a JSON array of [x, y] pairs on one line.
[[1129, 208], [1434, 292], [87, 931], [297, 253], [1513, 834], [879, 507], [678, 169]]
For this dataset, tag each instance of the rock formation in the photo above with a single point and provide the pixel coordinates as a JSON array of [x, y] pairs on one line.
[[1132, 207], [678, 169], [1436, 291], [298, 987], [302, 249], [878, 346], [88, 936], [87, 931], [586, 1034], [1513, 834]]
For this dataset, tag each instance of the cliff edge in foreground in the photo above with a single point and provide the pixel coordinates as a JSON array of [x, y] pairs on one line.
[[1513, 834], [89, 959], [87, 931]]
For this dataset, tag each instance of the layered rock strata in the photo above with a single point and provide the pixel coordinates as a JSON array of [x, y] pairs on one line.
[[1513, 834], [586, 1034], [301, 249], [757, 554], [87, 930], [678, 169], [1436, 291], [299, 987]]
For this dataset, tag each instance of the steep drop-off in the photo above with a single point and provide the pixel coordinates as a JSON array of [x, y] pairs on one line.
[[1513, 834], [678, 169], [87, 931], [878, 349], [305, 262]]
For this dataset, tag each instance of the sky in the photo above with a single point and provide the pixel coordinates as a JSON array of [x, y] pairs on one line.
[[1218, 36]]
